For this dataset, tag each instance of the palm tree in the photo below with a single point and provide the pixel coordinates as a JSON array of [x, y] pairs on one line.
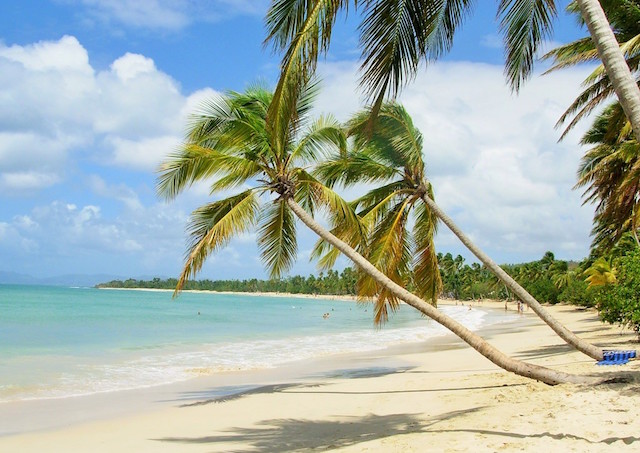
[[600, 273], [395, 153], [610, 174], [230, 142], [613, 60], [396, 36], [624, 18]]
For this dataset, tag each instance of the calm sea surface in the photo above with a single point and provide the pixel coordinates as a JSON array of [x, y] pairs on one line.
[[58, 342]]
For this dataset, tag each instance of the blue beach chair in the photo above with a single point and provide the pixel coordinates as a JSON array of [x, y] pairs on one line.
[[616, 357]]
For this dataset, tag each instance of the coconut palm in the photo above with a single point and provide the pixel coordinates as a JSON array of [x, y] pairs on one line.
[[610, 174], [391, 153], [229, 141], [624, 17]]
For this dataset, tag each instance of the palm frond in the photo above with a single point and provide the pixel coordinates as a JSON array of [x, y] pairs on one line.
[[576, 52], [212, 226], [390, 252], [353, 167], [395, 35], [524, 24], [304, 29], [324, 136], [426, 274], [194, 163], [277, 238]]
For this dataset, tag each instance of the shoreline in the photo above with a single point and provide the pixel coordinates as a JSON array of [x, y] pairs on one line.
[[440, 392], [241, 293]]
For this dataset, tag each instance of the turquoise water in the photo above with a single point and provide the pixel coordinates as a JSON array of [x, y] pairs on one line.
[[59, 342]]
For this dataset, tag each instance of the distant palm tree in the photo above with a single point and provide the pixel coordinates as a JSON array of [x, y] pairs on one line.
[[230, 142], [391, 153], [600, 273]]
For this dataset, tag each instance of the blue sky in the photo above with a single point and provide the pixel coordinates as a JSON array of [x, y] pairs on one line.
[[94, 93]]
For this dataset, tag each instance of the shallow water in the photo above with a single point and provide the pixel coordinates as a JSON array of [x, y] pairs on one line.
[[58, 342]]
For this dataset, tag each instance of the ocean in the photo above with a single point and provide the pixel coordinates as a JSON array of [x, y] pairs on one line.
[[58, 342]]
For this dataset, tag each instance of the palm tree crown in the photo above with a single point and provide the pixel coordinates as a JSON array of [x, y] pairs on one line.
[[229, 142], [390, 154]]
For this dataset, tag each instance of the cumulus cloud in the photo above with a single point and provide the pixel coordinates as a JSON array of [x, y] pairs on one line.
[[56, 106]]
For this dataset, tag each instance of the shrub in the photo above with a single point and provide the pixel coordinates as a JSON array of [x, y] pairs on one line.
[[620, 303]]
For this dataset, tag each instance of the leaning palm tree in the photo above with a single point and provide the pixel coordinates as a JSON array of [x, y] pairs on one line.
[[386, 212], [230, 142], [391, 153]]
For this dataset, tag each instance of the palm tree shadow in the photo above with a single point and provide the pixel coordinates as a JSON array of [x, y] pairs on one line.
[[286, 435], [557, 436]]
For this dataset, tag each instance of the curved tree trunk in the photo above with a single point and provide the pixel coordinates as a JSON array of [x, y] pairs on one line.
[[519, 291], [505, 362], [613, 60]]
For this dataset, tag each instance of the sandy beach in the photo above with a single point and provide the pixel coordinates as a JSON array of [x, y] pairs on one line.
[[438, 396]]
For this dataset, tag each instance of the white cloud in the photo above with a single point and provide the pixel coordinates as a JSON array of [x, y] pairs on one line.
[[132, 65], [170, 15], [143, 154], [26, 181], [119, 192], [54, 106], [65, 55]]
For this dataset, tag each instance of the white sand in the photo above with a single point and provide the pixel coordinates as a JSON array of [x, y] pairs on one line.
[[452, 399]]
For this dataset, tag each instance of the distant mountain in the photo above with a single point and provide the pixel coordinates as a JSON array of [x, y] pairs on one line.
[[16, 279], [7, 277]]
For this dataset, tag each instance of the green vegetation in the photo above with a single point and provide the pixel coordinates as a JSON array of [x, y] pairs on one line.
[[548, 279], [619, 303], [334, 283]]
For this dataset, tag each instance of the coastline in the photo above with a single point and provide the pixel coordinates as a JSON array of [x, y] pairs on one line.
[[345, 297], [439, 393]]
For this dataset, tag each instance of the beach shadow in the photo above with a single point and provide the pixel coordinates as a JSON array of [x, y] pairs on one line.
[[557, 436], [226, 394], [387, 392], [230, 393], [290, 435], [360, 373], [545, 351]]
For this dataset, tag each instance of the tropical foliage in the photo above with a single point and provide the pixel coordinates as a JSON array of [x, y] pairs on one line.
[[330, 283], [620, 303], [610, 174]]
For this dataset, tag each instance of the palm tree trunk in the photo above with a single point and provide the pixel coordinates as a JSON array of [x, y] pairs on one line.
[[505, 362], [519, 291], [609, 51]]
